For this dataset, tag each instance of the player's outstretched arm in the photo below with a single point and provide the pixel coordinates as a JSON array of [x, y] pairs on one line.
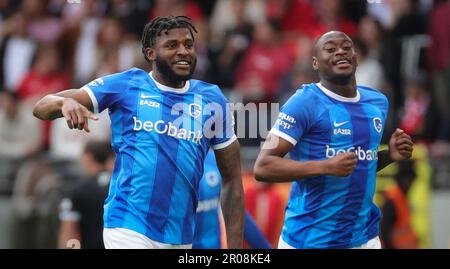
[[400, 148], [74, 105], [232, 194], [270, 165]]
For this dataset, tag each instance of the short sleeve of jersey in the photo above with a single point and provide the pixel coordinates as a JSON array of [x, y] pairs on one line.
[[294, 117], [104, 91], [224, 124]]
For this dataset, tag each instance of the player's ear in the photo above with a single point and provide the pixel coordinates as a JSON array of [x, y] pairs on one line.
[[315, 64], [150, 53]]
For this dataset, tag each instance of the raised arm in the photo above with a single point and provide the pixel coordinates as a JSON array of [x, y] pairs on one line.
[[272, 167], [232, 193], [74, 105]]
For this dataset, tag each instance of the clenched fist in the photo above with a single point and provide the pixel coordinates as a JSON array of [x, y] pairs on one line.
[[341, 165]]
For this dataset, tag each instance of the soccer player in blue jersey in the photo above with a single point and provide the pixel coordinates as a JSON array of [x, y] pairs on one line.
[[208, 232], [163, 124], [332, 131]]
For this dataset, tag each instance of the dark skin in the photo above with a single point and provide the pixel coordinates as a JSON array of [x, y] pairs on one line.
[[176, 49], [336, 62], [175, 52]]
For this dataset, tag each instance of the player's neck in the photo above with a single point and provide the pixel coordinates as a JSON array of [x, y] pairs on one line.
[[347, 90], [167, 82]]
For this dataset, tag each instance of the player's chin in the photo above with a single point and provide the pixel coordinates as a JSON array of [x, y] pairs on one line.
[[343, 72], [183, 74]]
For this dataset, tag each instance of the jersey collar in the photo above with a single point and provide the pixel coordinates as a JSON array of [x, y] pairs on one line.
[[170, 89], [339, 97]]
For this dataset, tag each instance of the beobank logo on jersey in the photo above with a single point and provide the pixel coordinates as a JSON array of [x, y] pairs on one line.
[[167, 128], [361, 154]]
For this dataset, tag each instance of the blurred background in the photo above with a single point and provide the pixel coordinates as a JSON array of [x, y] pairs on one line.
[[257, 51]]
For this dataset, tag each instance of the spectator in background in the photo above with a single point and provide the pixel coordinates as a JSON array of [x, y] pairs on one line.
[[84, 21], [177, 8], [132, 15], [230, 44], [330, 16], [113, 53], [42, 27], [263, 66], [81, 212], [409, 23], [302, 73], [370, 72], [230, 16], [45, 77], [20, 138], [371, 34], [20, 133], [396, 230], [287, 13], [16, 51], [439, 61], [419, 116]]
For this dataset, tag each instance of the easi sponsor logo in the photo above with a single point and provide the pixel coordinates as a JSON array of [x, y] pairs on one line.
[[341, 131], [150, 103], [167, 128], [362, 154]]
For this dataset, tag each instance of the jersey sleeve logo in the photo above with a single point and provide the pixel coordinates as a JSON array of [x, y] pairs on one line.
[[97, 82], [377, 123]]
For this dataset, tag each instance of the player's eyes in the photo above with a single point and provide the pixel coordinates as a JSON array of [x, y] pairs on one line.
[[171, 45], [188, 45], [330, 50]]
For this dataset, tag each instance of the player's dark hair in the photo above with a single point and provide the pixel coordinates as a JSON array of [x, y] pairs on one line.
[[161, 25], [100, 151]]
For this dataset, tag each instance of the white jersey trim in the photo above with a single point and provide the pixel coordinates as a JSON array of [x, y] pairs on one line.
[[373, 243], [338, 97], [224, 144], [170, 89], [285, 136], [93, 98], [121, 238]]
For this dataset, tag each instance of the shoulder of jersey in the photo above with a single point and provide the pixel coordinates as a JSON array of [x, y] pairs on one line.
[[206, 88], [307, 91], [372, 94]]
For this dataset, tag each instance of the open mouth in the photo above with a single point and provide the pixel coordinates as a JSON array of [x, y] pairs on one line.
[[182, 63], [342, 62]]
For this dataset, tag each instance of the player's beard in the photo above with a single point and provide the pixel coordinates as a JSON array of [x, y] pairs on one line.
[[165, 70]]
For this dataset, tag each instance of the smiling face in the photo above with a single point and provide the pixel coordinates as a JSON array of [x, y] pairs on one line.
[[173, 56], [335, 57]]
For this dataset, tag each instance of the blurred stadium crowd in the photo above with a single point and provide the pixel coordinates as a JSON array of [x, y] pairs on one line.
[[255, 50]]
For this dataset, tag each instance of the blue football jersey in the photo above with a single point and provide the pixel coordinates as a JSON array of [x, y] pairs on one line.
[[327, 211], [207, 225], [160, 136]]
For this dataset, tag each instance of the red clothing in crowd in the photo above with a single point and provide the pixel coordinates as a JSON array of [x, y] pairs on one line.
[[264, 65], [266, 206], [439, 30], [190, 9], [35, 86]]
